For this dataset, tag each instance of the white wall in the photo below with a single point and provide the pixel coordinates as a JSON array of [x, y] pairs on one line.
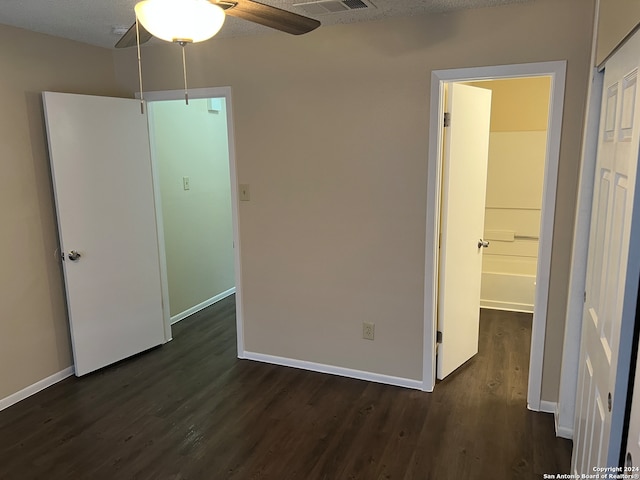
[[191, 141]]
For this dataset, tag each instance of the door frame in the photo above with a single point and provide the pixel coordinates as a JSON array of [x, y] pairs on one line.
[[578, 275], [202, 93], [557, 71]]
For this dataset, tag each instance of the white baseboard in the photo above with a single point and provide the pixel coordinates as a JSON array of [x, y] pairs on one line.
[[545, 407], [35, 388], [548, 407], [509, 307], [330, 369], [202, 306], [562, 431]]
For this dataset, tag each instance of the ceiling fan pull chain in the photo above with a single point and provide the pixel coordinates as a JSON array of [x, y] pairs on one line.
[[139, 66], [184, 70]]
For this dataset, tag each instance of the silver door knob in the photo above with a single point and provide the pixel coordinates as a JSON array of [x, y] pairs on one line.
[[483, 244], [74, 256]]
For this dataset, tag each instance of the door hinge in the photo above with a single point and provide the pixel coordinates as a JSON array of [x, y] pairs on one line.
[[585, 297], [447, 119], [438, 336]]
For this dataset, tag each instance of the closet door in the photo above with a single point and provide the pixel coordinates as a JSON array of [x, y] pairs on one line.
[[611, 284]]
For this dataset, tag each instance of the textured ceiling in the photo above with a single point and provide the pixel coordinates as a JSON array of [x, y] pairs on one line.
[[92, 21]]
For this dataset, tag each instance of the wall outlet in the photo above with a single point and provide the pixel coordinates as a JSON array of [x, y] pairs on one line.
[[368, 330]]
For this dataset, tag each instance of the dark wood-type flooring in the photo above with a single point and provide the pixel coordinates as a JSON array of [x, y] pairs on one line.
[[192, 410]]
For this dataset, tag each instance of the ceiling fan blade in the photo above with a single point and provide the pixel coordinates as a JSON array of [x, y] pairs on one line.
[[269, 16], [129, 38]]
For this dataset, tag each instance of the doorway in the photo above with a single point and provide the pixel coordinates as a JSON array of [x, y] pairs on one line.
[[556, 72], [189, 145], [196, 201], [495, 152], [515, 179]]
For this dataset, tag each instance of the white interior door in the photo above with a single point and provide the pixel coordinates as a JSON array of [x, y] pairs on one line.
[[609, 254], [101, 169], [462, 224]]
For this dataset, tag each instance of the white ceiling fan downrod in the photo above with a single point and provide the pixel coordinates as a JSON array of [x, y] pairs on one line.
[[139, 65], [183, 43]]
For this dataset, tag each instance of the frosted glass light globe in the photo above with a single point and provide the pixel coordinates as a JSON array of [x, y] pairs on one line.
[[180, 20]]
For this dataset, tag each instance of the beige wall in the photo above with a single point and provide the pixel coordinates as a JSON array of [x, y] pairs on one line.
[[518, 104], [616, 19], [191, 141], [332, 135], [34, 343]]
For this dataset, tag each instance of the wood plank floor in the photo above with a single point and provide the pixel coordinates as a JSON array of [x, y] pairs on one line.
[[192, 410]]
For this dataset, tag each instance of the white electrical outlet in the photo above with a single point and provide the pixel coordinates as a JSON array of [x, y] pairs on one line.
[[368, 330]]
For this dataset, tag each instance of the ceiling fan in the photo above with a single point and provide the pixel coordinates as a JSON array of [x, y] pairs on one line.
[[250, 10]]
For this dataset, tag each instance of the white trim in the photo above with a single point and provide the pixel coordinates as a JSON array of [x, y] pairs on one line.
[[201, 306], [509, 307], [579, 250], [577, 279], [544, 406], [157, 200], [216, 92], [330, 369], [35, 388], [557, 71], [562, 430]]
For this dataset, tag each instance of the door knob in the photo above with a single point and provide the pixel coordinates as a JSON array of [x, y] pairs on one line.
[[483, 244], [74, 256]]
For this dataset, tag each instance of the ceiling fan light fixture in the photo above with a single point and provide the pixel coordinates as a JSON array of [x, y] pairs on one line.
[[183, 21]]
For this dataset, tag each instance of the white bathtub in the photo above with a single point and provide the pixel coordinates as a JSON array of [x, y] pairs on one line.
[[504, 291]]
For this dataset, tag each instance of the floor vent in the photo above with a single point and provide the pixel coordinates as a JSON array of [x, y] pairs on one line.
[[323, 7]]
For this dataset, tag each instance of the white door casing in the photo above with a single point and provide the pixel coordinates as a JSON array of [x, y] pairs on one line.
[[611, 270], [195, 93], [557, 71], [101, 169], [462, 224]]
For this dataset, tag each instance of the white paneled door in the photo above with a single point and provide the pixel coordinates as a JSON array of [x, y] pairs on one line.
[[609, 254], [462, 224], [101, 169]]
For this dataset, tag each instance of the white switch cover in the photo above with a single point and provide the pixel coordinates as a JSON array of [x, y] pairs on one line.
[[186, 183], [245, 194]]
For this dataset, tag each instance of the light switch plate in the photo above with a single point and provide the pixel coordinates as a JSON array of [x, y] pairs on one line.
[[186, 183]]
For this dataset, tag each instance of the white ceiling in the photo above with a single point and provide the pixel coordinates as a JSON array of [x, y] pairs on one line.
[[92, 21]]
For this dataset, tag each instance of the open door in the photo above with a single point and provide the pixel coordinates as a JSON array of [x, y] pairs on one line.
[[101, 170], [464, 186]]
